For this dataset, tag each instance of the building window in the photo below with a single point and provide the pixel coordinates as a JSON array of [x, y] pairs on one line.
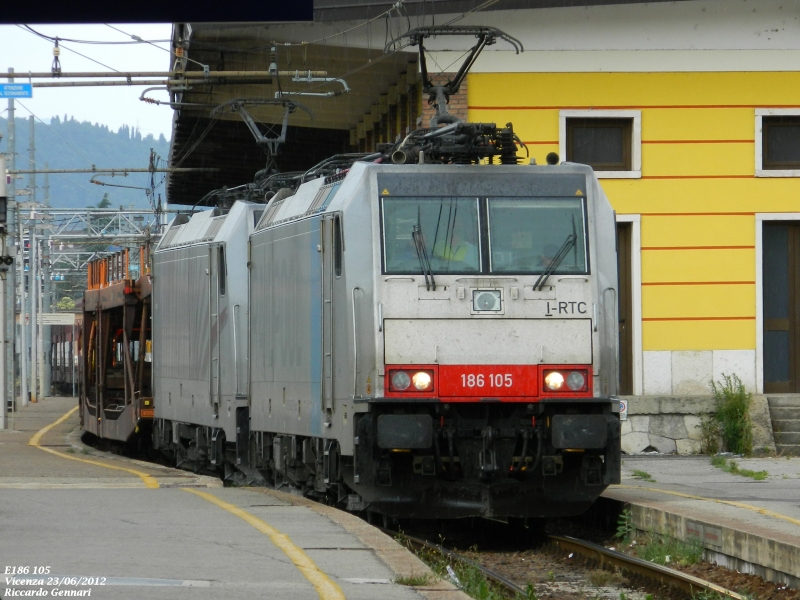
[[780, 139], [777, 138], [604, 144], [607, 140]]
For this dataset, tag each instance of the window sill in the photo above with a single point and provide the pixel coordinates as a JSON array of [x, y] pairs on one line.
[[777, 172], [618, 174]]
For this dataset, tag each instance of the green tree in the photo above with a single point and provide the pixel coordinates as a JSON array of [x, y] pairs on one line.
[[66, 303]]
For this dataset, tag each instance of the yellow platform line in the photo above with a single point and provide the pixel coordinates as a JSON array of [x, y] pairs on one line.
[[763, 511], [35, 441], [326, 588]]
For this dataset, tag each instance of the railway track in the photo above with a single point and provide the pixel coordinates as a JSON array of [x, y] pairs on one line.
[[660, 575]]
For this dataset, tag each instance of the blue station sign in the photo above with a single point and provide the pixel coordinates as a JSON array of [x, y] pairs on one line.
[[16, 90]]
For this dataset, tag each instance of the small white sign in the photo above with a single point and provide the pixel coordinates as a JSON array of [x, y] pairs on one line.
[[55, 318], [623, 410]]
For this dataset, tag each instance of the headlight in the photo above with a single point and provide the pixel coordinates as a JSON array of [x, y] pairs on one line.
[[576, 381], [554, 380], [422, 381], [401, 380]]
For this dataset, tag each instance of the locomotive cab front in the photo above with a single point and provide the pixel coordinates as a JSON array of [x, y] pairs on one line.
[[494, 293]]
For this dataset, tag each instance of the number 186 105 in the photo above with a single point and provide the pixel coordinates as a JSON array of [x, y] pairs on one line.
[[492, 380]]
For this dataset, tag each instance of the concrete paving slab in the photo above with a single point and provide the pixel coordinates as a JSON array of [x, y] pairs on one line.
[[90, 519], [752, 526]]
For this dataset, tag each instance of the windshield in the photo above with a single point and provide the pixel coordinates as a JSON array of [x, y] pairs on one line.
[[448, 228], [526, 235]]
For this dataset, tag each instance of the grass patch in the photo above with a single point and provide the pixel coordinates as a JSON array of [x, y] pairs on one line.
[[710, 435], [730, 466], [643, 475], [732, 414], [415, 580], [664, 550], [85, 451], [656, 548], [70, 450]]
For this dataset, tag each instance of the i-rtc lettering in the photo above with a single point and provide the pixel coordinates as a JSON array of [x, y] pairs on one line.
[[565, 308]]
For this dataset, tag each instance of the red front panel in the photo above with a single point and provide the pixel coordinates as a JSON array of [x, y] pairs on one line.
[[488, 381]]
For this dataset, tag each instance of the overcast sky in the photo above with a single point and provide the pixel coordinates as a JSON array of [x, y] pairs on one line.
[[113, 106]]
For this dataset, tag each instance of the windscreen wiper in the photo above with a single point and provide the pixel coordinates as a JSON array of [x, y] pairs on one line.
[[424, 259], [556, 261]]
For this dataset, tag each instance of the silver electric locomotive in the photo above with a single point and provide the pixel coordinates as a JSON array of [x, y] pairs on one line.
[[418, 340]]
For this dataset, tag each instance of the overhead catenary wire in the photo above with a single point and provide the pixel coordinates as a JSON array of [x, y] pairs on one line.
[[90, 190], [60, 44], [138, 39], [88, 58], [97, 42]]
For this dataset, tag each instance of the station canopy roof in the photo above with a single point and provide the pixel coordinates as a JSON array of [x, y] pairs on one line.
[[345, 41], [224, 142]]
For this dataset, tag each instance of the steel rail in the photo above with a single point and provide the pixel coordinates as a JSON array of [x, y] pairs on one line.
[[651, 571]]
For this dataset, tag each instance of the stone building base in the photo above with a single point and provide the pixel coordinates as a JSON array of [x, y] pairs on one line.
[[671, 424]]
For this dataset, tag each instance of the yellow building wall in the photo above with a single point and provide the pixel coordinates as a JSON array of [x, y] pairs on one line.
[[698, 193]]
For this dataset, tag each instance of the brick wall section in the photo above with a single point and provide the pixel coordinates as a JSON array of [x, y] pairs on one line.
[[457, 105]]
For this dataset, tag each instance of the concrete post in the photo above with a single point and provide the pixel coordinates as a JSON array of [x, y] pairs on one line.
[[4, 308], [23, 329], [32, 159], [34, 293], [12, 194], [44, 330]]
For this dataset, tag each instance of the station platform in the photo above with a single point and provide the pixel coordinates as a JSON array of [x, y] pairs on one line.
[[744, 524], [76, 521]]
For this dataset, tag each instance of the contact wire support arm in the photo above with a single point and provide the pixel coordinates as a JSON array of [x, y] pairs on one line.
[[238, 106], [439, 95]]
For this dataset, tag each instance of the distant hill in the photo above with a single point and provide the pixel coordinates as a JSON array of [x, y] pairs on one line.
[[69, 144]]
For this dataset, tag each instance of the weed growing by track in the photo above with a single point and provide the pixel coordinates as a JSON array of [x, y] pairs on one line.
[[465, 576], [656, 548], [414, 580], [730, 466], [625, 527], [664, 550], [643, 475], [604, 578], [706, 595], [732, 414]]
